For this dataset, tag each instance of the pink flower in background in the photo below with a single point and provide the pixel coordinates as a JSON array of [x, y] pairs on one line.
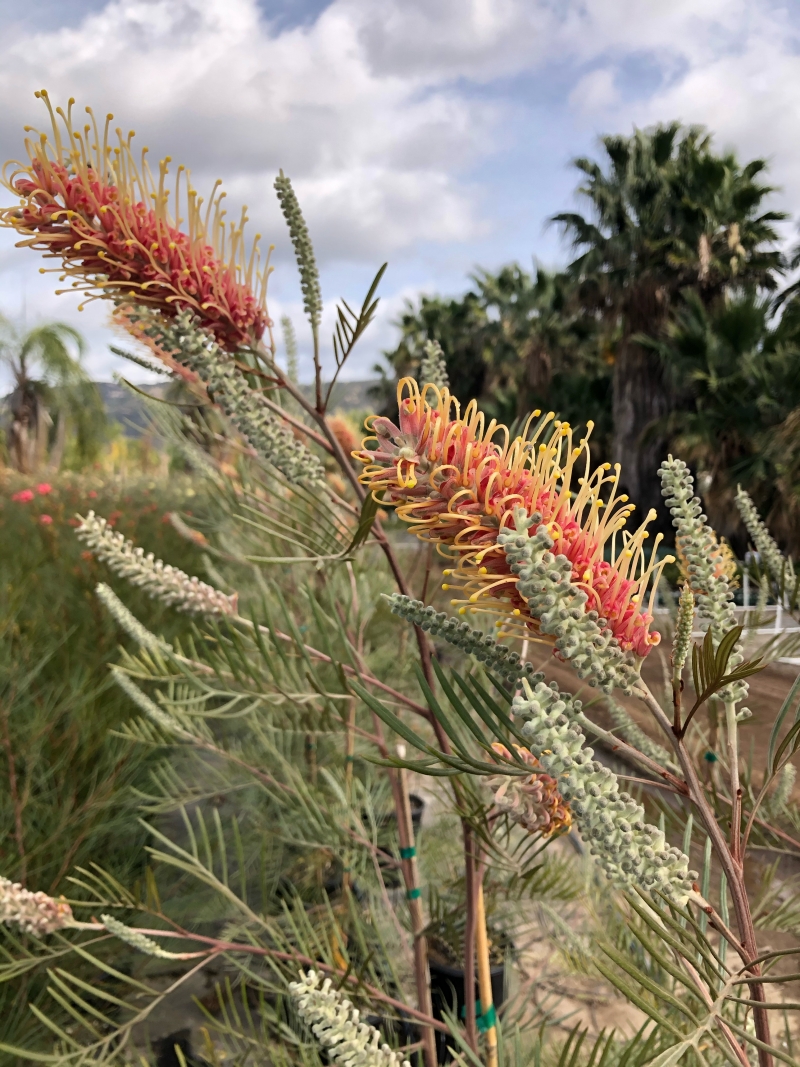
[[45, 520], [92, 494], [23, 496], [43, 488]]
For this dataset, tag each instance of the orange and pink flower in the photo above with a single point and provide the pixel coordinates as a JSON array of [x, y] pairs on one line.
[[91, 206], [533, 802], [458, 482]]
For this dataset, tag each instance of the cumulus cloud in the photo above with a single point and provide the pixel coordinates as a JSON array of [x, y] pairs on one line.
[[748, 99], [207, 81], [395, 118], [595, 92]]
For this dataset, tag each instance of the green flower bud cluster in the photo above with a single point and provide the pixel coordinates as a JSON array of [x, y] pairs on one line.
[[136, 940], [782, 796], [337, 1025], [303, 249], [545, 581], [498, 658], [698, 543], [158, 579], [780, 568], [160, 717], [196, 349], [128, 621], [432, 367], [684, 624], [628, 849]]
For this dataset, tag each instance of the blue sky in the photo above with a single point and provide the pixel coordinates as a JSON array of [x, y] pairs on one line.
[[435, 134]]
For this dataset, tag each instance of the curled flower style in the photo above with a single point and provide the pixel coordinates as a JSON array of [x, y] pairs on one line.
[[533, 802], [88, 203], [459, 483], [35, 913]]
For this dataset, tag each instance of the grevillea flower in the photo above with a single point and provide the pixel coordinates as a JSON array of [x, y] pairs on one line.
[[159, 580], [612, 823], [35, 913], [459, 483], [88, 203], [533, 802], [337, 1025]]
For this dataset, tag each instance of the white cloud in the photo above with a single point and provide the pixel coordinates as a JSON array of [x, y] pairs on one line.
[[748, 99], [381, 110], [206, 81], [595, 93], [375, 155]]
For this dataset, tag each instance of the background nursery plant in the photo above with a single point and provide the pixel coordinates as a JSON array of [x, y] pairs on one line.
[[284, 857]]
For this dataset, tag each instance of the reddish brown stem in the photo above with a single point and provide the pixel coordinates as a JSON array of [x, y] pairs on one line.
[[218, 947], [405, 828]]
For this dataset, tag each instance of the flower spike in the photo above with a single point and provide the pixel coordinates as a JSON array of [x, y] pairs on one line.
[[89, 203], [35, 913], [461, 484], [337, 1025], [630, 850], [432, 366], [159, 580]]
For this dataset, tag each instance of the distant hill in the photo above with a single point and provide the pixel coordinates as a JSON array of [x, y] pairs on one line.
[[126, 408]]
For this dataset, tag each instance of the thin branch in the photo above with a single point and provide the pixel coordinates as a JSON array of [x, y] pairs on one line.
[[218, 947], [364, 676]]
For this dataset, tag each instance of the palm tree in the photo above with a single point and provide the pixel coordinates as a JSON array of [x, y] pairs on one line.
[[533, 330], [743, 367], [666, 213], [458, 325], [515, 341], [52, 393]]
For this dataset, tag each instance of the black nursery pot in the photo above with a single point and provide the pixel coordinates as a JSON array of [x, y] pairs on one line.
[[398, 1032], [447, 989]]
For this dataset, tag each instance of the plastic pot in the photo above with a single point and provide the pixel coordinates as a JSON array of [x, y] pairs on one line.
[[448, 991]]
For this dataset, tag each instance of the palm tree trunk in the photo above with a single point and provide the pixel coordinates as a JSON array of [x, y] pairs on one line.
[[536, 378], [18, 445], [57, 453], [641, 402], [39, 442]]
